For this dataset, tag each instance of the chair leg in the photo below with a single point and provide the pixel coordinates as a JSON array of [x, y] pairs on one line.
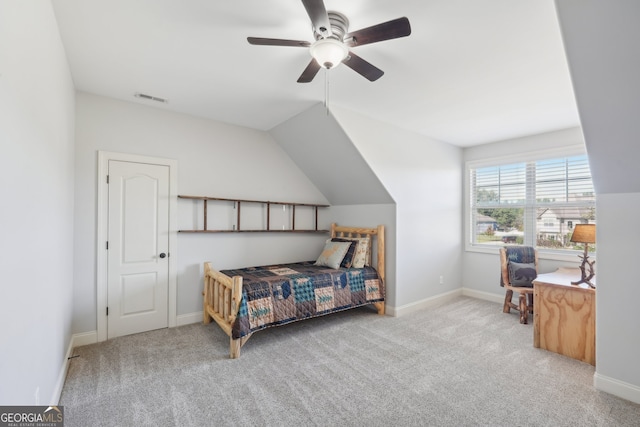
[[524, 311], [507, 299]]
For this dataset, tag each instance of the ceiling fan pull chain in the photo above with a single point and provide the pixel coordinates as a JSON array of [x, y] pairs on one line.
[[326, 91]]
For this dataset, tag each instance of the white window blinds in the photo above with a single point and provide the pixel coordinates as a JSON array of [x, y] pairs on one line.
[[533, 203]]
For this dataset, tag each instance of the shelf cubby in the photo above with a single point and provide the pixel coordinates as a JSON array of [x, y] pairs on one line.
[[265, 206]]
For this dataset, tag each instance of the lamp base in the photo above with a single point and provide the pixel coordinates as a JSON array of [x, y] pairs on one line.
[[586, 278]]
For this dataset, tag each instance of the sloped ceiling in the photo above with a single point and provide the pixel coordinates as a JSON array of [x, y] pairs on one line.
[[318, 145]]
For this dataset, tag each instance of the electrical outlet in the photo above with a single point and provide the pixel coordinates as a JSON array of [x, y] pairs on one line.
[[441, 280]]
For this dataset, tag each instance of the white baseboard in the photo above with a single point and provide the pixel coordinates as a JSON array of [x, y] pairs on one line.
[[91, 337], [62, 375], [84, 338], [405, 309], [419, 305], [487, 296], [187, 319], [617, 388], [76, 340]]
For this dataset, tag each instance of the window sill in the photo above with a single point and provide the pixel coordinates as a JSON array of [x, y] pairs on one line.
[[566, 256]]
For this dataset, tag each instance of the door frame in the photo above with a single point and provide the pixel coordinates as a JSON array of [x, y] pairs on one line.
[[103, 229]]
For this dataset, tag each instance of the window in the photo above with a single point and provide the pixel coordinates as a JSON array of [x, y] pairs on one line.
[[533, 203]]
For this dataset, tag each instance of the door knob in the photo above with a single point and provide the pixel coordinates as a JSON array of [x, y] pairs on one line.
[[162, 255]]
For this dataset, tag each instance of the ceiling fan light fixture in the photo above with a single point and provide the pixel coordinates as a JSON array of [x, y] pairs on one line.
[[329, 53]]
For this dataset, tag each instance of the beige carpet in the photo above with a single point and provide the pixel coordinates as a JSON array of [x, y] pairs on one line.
[[463, 363]]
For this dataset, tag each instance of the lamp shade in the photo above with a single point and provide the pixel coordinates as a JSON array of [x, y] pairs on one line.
[[329, 53], [584, 233]]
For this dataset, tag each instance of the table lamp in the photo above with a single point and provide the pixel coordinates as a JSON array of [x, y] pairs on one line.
[[585, 233]]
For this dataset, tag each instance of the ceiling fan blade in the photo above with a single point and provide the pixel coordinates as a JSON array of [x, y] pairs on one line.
[[277, 42], [360, 66], [386, 31], [310, 72], [319, 16]]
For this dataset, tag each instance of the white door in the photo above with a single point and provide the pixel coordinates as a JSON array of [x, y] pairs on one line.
[[138, 245]]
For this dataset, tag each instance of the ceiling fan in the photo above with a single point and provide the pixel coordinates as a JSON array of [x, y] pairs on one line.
[[332, 41]]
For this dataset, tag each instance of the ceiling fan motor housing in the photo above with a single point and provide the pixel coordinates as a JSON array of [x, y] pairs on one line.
[[339, 27]]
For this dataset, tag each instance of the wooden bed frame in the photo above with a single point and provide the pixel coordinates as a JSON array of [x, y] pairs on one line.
[[222, 294]]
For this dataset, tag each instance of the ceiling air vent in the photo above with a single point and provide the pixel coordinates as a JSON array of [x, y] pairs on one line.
[[151, 98]]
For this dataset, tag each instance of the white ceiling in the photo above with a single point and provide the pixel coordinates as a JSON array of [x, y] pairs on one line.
[[471, 72]]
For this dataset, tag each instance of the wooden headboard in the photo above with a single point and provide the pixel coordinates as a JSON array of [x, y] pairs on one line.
[[375, 234]]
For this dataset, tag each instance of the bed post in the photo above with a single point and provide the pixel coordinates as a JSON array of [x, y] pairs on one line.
[[236, 297], [380, 267], [206, 318], [234, 348], [381, 249]]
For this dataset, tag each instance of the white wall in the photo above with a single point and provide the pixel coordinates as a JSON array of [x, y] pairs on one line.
[[214, 159], [617, 337], [481, 271], [601, 42], [423, 177], [36, 145]]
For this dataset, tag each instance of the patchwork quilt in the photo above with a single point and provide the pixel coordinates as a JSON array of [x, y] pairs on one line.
[[279, 294]]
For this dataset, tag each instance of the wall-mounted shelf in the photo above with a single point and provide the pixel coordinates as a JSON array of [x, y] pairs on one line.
[[268, 205]]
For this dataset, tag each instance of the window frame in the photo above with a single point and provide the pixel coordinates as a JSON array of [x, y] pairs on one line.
[[524, 157]]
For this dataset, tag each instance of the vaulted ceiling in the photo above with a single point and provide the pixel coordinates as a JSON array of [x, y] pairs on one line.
[[471, 72]]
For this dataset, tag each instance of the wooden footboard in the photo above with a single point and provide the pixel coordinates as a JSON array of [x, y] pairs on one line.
[[222, 296]]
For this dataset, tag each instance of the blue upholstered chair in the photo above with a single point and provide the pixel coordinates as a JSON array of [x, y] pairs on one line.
[[519, 267]]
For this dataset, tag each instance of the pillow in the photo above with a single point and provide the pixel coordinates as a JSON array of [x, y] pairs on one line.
[[348, 258], [361, 257], [333, 254], [521, 274]]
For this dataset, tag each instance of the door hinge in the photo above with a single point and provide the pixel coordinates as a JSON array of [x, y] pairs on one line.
[[107, 179], [107, 245], [107, 311]]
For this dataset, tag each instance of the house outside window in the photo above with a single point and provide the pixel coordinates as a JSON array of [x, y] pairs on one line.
[[534, 202]]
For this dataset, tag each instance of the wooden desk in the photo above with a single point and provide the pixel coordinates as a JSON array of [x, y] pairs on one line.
[[564, 319]]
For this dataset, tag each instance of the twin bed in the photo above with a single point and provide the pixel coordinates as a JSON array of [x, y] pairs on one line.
[[247, 300]]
